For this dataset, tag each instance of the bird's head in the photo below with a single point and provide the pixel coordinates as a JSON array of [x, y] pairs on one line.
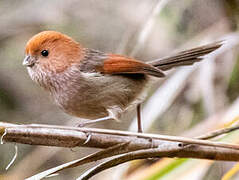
[[48, 53]]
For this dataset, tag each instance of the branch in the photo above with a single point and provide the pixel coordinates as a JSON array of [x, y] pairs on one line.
[[121, 146], [64, 136], [169, 151]]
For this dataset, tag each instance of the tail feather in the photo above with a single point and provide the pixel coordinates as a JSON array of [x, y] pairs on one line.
[[187, 57]]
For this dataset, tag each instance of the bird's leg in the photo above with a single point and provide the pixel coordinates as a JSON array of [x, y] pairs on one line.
[[139, 122], [139, 119], [95, 121]]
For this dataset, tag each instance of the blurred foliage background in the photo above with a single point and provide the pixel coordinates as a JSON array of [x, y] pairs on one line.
[[202, 99]]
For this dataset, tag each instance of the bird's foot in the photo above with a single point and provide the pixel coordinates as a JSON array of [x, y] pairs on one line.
[[94, 121]]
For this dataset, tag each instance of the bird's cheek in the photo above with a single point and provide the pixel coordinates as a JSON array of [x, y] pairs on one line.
[[53, 66], [32, 71], [36, 74], [45, 66]]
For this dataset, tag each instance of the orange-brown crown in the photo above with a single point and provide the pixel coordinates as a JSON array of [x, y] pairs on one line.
[[45, 38]]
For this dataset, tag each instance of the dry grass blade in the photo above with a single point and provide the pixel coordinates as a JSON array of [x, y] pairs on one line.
[[147, 27], [229, 175], [219, 132]]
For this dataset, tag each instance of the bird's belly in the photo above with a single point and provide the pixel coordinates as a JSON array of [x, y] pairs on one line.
[[93, 98], [82, 105], [86, 111]]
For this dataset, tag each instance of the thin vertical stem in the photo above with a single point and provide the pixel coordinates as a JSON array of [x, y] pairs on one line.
[[140, 130]]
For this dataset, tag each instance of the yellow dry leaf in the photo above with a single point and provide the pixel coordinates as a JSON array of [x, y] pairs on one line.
[[235, 120], [231, 172]]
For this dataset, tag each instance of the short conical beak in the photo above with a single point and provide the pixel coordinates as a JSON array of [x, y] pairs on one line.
[[27, 61]]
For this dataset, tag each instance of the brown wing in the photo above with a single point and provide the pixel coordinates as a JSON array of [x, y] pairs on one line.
[[116, 64], [187, 57], [96, 61]]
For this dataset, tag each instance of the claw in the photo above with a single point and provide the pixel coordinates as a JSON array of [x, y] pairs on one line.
[[88, 138]]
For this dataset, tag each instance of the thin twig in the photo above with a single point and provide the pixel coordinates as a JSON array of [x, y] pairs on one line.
[[218, 132], [115, 150]]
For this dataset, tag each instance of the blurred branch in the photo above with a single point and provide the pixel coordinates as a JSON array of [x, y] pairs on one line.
[[148, 26]]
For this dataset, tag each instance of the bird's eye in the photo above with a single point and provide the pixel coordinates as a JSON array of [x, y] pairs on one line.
[[44, 53]]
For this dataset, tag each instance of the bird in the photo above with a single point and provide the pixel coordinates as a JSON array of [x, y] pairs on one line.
[[95, 85]]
